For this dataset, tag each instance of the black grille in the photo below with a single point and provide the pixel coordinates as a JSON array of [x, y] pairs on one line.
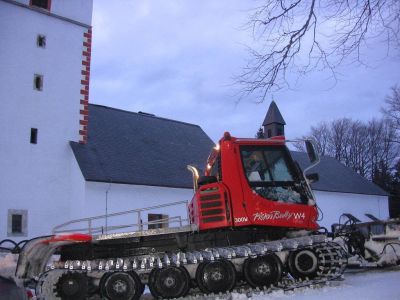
[[212, 212], [210, 197], [211, 204], [213, 219]]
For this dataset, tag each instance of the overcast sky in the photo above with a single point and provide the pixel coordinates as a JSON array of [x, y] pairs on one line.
[[177, 59]]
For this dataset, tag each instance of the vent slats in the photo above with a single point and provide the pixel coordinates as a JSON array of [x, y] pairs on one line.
[[211, 204], [210, 197]]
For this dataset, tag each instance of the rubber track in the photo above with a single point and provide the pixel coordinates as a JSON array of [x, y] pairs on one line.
[[332, 261]]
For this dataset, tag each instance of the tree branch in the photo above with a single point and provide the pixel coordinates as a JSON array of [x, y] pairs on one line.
[[293, 38]]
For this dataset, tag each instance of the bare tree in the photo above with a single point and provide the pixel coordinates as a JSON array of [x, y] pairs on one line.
[[367, 148], [320, 135], [392, 111], [357, 155], [305, 35], [260, 134], [339, 139]]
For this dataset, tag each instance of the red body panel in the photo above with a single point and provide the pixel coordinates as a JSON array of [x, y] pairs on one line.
[[71, 237], [238, 204], [210, 207]]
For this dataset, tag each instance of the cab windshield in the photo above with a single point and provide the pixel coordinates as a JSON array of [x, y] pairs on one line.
[[271, 173]]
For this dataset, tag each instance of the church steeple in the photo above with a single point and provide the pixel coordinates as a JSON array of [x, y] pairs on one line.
[[273, 124]]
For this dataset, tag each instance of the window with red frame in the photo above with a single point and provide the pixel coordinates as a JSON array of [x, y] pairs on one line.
[[41, 3]]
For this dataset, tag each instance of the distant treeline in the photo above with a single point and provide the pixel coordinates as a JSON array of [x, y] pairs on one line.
[[372, 149]]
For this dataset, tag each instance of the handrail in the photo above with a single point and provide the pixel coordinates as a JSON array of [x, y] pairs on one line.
[[90, 229], [100, 229]]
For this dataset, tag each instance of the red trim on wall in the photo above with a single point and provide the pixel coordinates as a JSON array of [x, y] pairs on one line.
[[84, 91]]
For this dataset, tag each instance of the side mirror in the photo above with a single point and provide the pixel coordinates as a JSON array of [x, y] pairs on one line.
[[312, 154], [314, 177]]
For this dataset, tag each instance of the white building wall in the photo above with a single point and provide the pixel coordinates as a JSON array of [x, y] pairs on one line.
[[40, 178], [77, 10], [333, 205], [123, 197], [97, 198]]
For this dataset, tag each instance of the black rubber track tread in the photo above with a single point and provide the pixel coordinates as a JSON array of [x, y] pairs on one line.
[[230, 275], [132, 281], [259, 280], [81, 288], [177, 290], [297, 273]]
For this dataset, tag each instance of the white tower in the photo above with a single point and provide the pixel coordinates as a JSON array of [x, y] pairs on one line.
[[44, 88]]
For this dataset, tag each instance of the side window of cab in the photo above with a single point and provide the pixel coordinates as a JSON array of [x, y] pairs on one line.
[[216, 168]]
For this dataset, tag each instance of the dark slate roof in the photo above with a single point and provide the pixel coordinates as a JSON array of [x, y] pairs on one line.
[[336, 177], [142, 149], [273, 115], [138, 148]]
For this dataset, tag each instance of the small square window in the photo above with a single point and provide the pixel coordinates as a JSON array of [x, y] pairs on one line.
[[41, 3], [157, 221], [17, 222], [38, 82], [41, 41], [34, 135]]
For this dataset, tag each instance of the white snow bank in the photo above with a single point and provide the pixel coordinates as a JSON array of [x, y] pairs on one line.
[[371, 285], [8, 264]]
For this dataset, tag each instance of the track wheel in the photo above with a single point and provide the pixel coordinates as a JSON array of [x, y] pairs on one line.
[[263, 270], [121, 286], [303, 263], [217, 276], [72, 286], [170, 282]]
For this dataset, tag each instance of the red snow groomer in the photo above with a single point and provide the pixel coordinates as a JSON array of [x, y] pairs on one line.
[[252, 221], [253, 182]]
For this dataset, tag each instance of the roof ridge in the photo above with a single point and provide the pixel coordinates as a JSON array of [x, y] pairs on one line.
[[147, 115]]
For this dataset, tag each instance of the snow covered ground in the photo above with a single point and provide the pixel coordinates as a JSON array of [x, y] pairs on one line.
[[8, 263], [373, 284]]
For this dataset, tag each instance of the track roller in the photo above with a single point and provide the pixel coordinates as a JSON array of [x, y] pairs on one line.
[[262, 270], [72, 286], [303, 263], [121, 286], [216, 276], [170, 282]]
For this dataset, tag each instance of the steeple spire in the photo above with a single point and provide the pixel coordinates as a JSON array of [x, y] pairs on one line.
[[274, 124]]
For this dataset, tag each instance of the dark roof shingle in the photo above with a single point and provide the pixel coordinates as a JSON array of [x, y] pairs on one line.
[[273, 115], [336, 177], [137, 148]]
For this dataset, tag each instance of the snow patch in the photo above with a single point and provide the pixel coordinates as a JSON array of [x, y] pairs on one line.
[[372, 285], [8, 265], [237, 296]]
